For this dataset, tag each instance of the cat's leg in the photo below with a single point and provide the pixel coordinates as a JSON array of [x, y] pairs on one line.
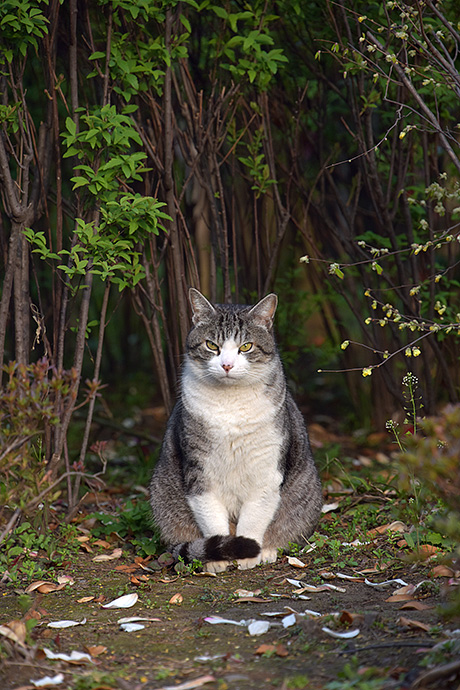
[[212, 518], [255, 516]]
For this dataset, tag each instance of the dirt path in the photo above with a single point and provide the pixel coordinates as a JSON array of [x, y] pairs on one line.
[[185, 650]]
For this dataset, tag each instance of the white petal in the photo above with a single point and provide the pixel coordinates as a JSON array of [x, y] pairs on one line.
[[47, 681], [289, 620], [382, 585], [73, 656], [341, 635], [258, 627], [65, 624], [131, 627], [123, 602]]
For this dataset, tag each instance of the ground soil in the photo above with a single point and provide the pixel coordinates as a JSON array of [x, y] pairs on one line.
[[182, 647]]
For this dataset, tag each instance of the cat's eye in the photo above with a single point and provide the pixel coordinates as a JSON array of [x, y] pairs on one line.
[[212, 346], [245, 347]]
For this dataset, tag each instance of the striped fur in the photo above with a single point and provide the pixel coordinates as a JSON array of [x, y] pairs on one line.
[[236, 457]]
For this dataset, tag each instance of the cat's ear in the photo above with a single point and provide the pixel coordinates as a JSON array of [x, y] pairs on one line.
[[201, 308], [264, 311]]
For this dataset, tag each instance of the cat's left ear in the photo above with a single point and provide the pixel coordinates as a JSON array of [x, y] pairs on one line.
[[201, 308], [264, 311]]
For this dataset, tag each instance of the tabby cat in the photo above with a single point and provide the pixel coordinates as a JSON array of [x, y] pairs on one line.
[[236, 479]]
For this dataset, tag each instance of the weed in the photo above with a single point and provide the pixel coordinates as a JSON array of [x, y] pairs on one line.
[[132, 524], [183, 568], [34, 553], [351, 677]]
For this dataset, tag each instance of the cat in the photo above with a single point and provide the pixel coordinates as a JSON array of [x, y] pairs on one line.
[[236, 479]]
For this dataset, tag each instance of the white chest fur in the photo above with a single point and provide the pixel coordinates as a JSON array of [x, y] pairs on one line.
[[244, 443]]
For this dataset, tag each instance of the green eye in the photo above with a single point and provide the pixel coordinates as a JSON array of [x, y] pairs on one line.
[[245, 347], [212, 346]]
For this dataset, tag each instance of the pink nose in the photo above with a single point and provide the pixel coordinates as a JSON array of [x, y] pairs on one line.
[[227, 367]]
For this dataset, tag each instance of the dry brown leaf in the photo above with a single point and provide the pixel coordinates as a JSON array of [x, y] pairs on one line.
[[83, 538], [116, 553], [442, 571], [396, 526], [15, 631], [86, 547], [95, 650], [126, 568], [399, 597], [176, 599], [104, 544], [347, 617], [84, 600], [416, 606], [44, 587], [278, 649], [413, 625]]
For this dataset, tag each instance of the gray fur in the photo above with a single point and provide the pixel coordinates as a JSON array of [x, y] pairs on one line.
[[236, 457]]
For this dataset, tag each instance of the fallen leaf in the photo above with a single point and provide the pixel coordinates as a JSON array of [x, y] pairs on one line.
[[398, 598], [204, 574], [95, 650], [416, 606], [347, 617], [386, 583], [44, 587], [176, 599], [65, 623], [116, 553], [48, 681], [396, 526], [295, 562], [135, 619], [290, 620], [341, 635], [126, 568], [246, 592], [73, 658], [15, 631], [328, 507], [85, 600], [278, 649], [215, 620], [326, 575], [442, 571], [413, 625], [104, 544], [65, 580], [245, 600], [124, 602], [131, 627], [190, 684], [258, 627]]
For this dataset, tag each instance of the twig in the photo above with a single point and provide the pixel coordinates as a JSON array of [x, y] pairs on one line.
[[12, 521], [436, 673]]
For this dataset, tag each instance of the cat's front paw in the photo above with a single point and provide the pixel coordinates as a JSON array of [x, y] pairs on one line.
[[247, 563], [215, 566], [268, 555]]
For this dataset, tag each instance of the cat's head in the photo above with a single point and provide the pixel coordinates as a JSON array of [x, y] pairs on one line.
[[229, 343]]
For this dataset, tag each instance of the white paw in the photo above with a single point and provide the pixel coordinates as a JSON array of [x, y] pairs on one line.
[[215, 566], [268, 555], [247, 563]]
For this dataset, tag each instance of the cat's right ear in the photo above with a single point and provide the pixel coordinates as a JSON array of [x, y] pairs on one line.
[[201, 308]]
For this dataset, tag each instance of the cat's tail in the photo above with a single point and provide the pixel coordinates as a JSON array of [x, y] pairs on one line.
[[216, 548]]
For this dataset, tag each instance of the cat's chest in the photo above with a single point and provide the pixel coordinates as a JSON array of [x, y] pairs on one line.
[[243, 438]]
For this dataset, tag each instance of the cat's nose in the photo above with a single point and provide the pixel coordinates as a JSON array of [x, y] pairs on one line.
[[227, 367]]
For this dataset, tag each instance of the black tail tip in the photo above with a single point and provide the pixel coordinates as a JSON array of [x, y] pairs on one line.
[[247, 547], [230, 548]]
